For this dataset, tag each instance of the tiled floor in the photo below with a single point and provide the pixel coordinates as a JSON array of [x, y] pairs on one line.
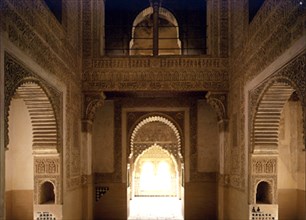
[[161, 208]]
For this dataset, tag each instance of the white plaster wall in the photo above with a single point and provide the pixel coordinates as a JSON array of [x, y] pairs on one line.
[[103, 139], [19, 158], [207, 138], [291, 163]]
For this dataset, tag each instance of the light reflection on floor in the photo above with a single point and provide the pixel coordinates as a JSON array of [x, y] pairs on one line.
[[146, 208]]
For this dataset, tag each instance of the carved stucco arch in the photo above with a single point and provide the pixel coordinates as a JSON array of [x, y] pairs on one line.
[[32, 89], [293, 74], [272, 96], [155, 118]]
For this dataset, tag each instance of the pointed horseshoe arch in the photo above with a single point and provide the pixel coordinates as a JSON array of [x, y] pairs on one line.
[[267, 114], [290, 78], [42, 100], [151, 119]]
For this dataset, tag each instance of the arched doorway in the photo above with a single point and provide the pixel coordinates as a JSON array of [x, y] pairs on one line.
[[155, 170], [32, 138], [278, 157]]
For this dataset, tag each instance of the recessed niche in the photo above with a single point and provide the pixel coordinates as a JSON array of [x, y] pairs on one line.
[[47, 195], [263, 193]]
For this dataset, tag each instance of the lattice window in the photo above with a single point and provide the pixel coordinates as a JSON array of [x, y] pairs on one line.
[[45, 216], [100, 191]]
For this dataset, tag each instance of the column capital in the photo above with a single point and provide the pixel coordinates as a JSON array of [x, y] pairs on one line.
[[92, 101], [218, 101]]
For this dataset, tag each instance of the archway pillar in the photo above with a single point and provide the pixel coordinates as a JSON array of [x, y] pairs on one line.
[[218, 101], [91, 101]]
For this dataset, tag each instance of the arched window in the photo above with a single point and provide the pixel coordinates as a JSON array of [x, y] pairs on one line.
[[142, 33], [47, 195], [141, 28], [263, 193]]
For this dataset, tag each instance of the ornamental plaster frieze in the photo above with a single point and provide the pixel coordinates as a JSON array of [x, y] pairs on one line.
[[73, 183], [274, 29], [148, 73], [237, 181], [224, 28], [41, 38], [87, 23], [160, 62], [155, 79]]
